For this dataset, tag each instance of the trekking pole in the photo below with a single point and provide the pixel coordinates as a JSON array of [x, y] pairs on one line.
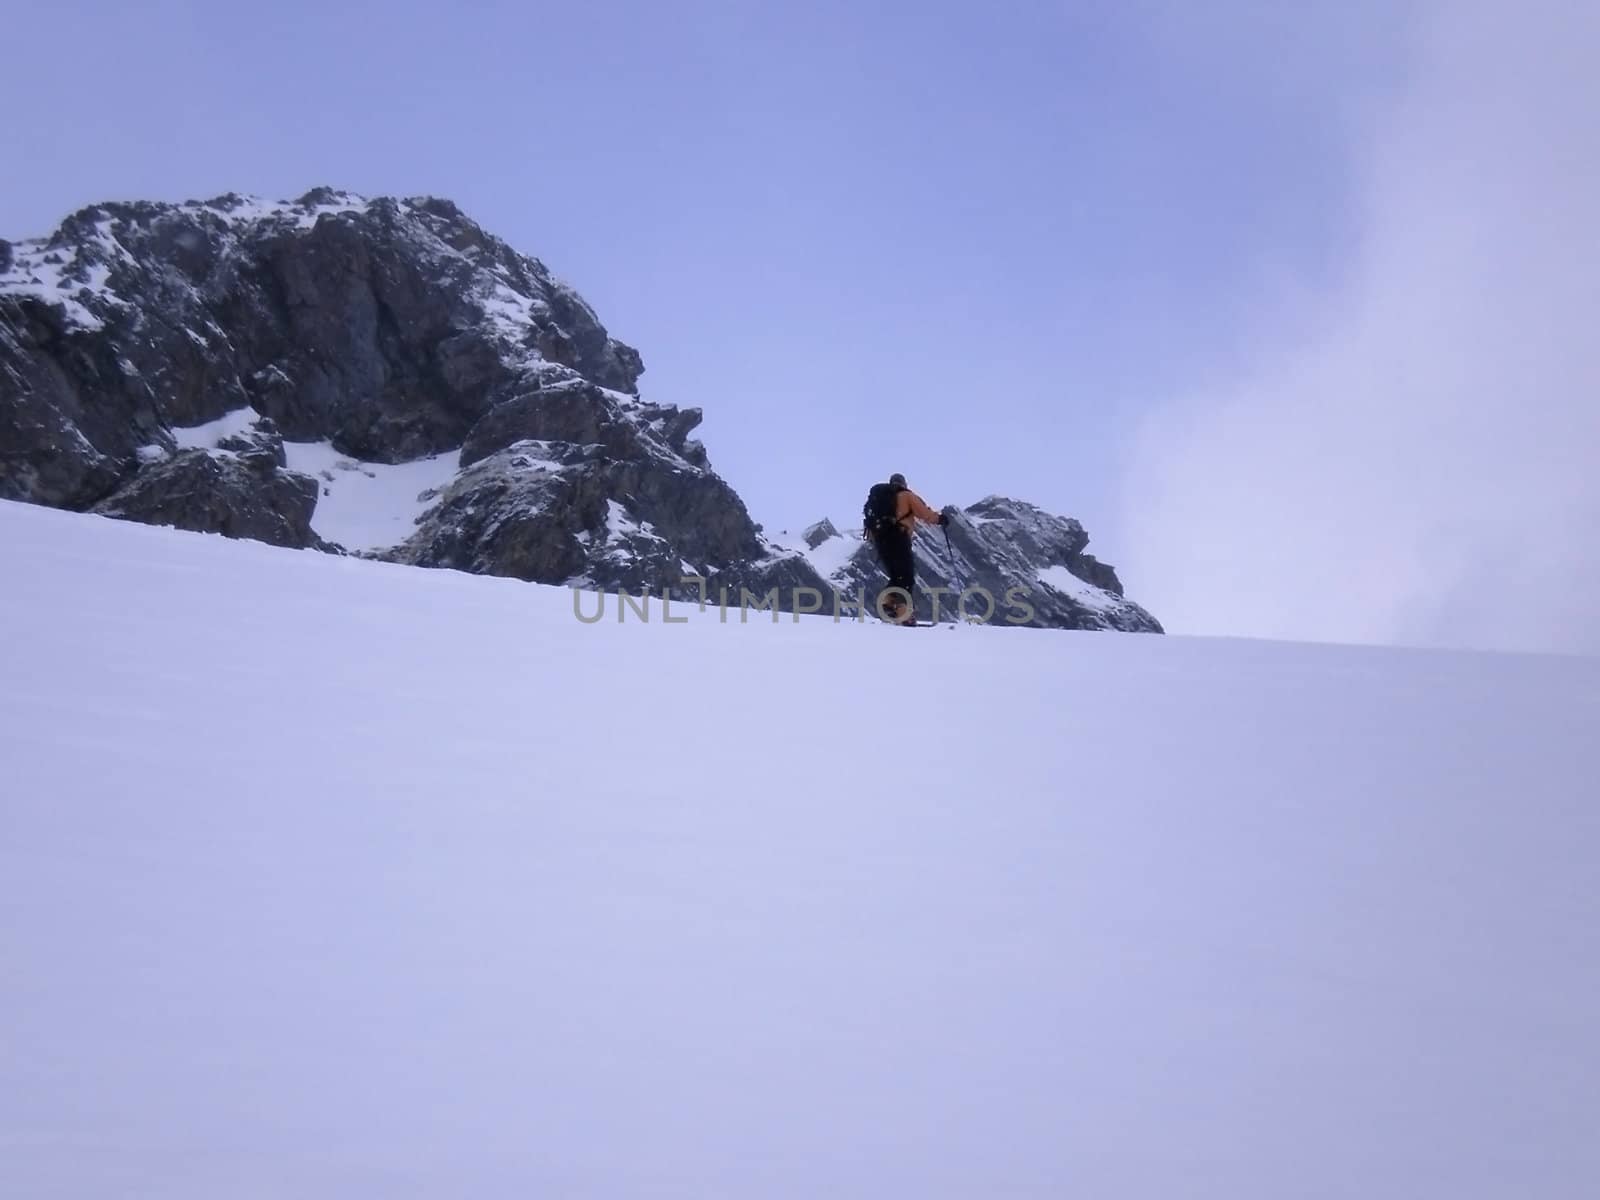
[[955, 576]]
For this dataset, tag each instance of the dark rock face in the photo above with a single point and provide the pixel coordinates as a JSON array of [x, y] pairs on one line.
[[386, 327], [71, 417], [555, 511], [519, 513], [391, 332], [569, 410], [225, 493], [1031, 564], [815, 535], [260, 447]]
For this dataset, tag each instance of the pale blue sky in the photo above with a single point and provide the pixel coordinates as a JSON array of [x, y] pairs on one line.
[[977, 244]]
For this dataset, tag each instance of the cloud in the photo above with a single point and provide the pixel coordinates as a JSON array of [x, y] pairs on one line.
[[1413, 455]]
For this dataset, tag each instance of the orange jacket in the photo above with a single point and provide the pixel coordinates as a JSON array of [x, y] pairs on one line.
[[909, 508]]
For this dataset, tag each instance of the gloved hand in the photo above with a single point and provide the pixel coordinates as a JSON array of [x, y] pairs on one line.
[[944, 516]]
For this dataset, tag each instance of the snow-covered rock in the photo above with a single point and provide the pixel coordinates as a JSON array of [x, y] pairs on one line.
[[389, 327], [386, 377], [377, 339], [1016, 563], [241, 495]]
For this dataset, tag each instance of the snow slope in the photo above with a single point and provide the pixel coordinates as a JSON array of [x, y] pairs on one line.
[[366, 505], [362, 505], [329, 878]]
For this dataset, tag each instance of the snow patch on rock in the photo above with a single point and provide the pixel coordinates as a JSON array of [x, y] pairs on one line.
[[366, 506]]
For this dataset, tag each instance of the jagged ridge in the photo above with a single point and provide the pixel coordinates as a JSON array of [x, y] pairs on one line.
[[997, 548]]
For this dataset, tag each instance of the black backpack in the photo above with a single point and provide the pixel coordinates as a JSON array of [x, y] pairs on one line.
[[877, 514]]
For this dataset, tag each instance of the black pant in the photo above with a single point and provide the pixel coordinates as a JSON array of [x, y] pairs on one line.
[[894, 552]]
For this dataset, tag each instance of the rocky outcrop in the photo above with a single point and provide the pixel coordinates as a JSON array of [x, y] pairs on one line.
[[815, 535], [388, 328], [527, 512], [236, 495], [71, 420], [554, 511], [1018, 564], [172, 363], [260, 446]]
